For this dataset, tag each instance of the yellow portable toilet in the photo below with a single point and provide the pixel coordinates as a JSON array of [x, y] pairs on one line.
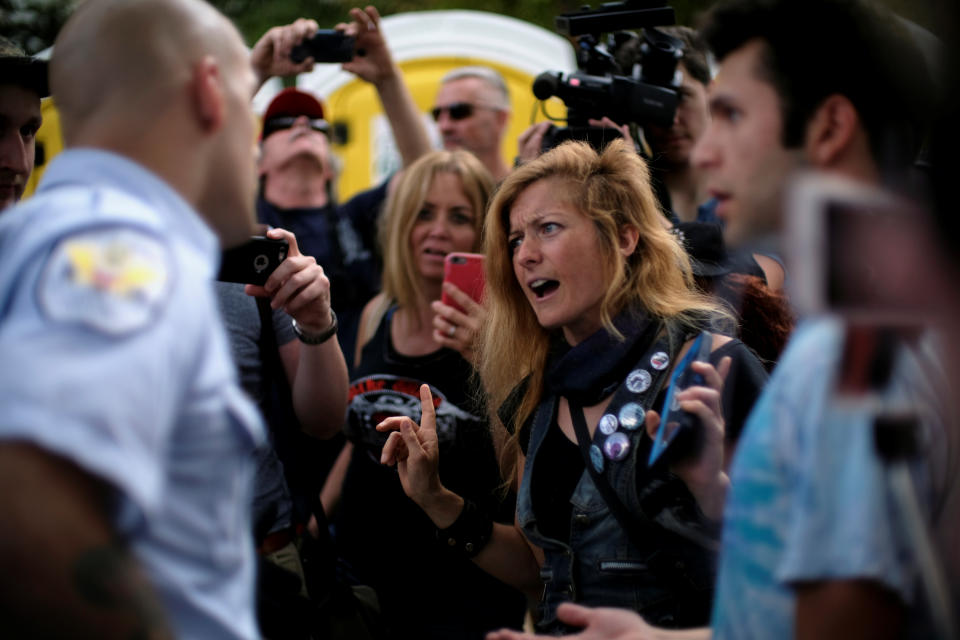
[[48, 140], [426, 45]]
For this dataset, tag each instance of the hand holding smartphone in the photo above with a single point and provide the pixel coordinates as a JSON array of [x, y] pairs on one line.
[[676, 425], [465, 270], [253, 261]]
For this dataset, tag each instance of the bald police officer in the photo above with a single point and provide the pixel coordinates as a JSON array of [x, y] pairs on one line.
[[125, 442]]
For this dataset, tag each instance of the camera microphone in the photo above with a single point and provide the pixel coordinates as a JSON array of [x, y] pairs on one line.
[[546, 84]]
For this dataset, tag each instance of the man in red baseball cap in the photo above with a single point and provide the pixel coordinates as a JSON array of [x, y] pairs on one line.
[[296, 165]]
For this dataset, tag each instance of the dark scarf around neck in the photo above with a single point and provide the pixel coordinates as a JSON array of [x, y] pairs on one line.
[[593, 369]]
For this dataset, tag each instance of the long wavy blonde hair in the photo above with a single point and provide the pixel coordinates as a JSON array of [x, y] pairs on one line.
[[400, 280], [613, 190]]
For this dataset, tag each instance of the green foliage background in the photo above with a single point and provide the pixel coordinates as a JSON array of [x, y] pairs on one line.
[[253, 17], [34, 23]]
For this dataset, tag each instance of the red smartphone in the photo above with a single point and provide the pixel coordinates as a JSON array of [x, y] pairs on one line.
[[465, 270]]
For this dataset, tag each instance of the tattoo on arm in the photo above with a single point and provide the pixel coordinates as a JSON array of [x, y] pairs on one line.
[[109, 579]]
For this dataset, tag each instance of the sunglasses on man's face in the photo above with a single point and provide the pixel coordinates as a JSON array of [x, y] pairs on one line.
[[458, 110], [285, 122]]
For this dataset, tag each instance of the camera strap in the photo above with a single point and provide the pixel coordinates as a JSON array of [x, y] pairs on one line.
[[620, 433], [685, 565], [621, 436]]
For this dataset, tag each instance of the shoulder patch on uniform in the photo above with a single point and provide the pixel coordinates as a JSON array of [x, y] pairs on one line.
[[111, 280]]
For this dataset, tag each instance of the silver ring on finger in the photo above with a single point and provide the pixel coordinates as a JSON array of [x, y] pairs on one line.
[[451, 330]]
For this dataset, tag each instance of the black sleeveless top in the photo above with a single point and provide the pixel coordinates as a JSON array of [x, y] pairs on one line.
[[386, 539]]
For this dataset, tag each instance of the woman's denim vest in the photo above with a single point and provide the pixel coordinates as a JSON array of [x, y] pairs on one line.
[[670, 586]]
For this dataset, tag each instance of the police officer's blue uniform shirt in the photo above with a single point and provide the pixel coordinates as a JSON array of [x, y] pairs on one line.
[[114, 358]]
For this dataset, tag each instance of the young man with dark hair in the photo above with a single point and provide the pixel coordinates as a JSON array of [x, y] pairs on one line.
[[814, 546], [680, 185], [23, 82], [813, 543], [819, 69]]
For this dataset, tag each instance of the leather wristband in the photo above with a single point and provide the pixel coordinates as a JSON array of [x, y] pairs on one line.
[[469, 533], [316, 338]]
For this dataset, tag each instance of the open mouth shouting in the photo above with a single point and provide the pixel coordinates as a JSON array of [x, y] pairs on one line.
[[542, 287]]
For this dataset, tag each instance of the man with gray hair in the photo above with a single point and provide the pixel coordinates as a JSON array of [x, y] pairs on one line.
[[472, 110]]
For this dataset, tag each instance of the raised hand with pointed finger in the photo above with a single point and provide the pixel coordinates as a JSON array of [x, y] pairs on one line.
[[416, 452]]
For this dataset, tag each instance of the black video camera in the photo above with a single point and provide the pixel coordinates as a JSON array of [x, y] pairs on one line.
[[326, 45], [600, 87]]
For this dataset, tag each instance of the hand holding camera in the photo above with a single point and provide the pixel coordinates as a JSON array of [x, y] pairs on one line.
[[373, 61], [271, 55]]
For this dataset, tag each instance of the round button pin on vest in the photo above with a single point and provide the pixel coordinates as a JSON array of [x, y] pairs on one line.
[[596, 457], [659, 360], [608, 424], [631, 416], [639, 380], [616, 447]]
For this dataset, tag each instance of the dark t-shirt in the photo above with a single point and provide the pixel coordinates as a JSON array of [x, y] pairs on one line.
[[272, 506], [390, 544], [343, 239]]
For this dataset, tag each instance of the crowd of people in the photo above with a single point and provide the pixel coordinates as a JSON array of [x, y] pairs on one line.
[[357, 448]]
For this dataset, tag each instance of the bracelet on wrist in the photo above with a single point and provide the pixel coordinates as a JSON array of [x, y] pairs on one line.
[[469, 533], [316, 338]]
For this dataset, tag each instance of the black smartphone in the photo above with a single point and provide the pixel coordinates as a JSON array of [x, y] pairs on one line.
[[676, 435], [326, 45], [253, 261]]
